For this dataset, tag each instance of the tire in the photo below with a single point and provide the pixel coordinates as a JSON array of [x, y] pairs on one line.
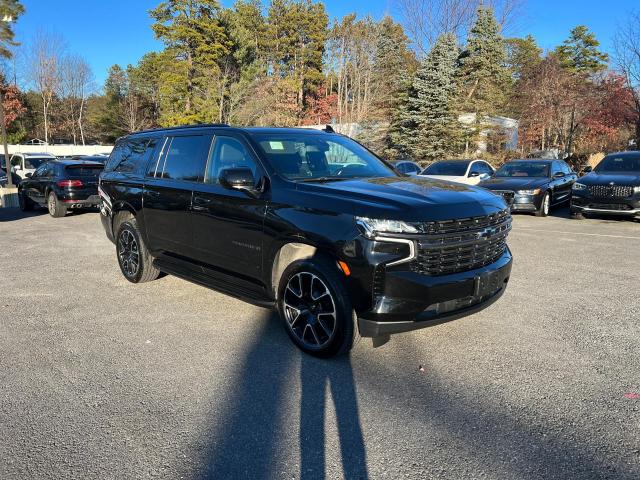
[[135, 261], [24, 203], [315, 307], [545, 206], [56, 209], [576, 215]]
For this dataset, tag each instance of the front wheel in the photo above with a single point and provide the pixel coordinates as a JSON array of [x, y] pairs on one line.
[[24, 203], [136, 263], [314, 304], [55, 207], [543, 211]]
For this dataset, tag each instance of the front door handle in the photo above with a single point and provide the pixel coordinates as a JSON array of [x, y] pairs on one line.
[[201, 204]]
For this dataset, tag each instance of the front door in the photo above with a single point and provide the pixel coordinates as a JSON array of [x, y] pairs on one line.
[[228, 224]]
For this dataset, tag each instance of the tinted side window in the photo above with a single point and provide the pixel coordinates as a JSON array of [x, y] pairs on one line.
[[228, 152], [40, 171], [485, 168], [133, 155], [186, 158], [566, 168]]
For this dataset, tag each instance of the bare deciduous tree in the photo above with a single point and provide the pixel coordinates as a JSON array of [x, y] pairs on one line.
[[426, 20], [627, 59], [76, 82], [44, 59]]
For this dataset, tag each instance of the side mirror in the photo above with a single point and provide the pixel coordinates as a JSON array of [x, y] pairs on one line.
[[587, 169], [28, 174], [485, 176], [558, 175], [474, 174], [240, 178]]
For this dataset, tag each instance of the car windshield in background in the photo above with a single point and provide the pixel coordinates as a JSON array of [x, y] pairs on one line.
[[454, 169], [35, 162], [84, 170], [622, 164], [523, 169], [307, 157]]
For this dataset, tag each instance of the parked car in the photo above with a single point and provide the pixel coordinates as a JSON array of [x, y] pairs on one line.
[[533, 185], [4, 180], [256, 213], [408, 167], [89, 158], [612, 188], [470, 172], [61, 185], [24, 163]]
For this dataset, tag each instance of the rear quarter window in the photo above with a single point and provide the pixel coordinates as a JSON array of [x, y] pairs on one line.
[[130, 155]]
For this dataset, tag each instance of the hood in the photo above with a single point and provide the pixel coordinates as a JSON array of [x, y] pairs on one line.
[[514, 183], [415, 199], [595, 178]]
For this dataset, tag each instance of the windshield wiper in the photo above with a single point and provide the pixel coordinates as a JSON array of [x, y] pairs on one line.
[[323, 179]]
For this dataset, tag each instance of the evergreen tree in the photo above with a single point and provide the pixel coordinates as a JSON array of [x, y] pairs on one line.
[[579, 53], [434, 127], [195, 40], [523, 54], [484, 78]]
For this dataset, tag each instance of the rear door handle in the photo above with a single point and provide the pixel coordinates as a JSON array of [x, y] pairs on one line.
[[201, 203]]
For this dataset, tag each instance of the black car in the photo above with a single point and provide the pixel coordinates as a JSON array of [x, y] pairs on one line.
[[258, 214], [61, 185], [15, 179], [612, 188], [533, 185]]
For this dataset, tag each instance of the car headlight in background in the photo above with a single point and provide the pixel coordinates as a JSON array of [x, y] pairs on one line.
[[636, 189], [579, 186], [371, 226], [528, 192]]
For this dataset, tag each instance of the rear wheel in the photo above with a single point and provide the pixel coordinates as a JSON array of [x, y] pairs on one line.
[[55, 207], [545, 206], [24, 203], [136, 263], [315, 307]]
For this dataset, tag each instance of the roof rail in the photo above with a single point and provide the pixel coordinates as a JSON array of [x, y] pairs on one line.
[[180, 127]]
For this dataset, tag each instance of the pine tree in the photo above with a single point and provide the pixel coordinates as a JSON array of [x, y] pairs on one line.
[[484, 78], [195, 40], [579, 53], [432, 106]]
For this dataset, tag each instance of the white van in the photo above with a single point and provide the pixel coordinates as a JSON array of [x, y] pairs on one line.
[[23, 163]]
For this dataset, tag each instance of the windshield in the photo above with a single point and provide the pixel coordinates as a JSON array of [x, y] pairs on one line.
[[455, 169], [35, 162], [308, 157], [626, 164], [523, 169]]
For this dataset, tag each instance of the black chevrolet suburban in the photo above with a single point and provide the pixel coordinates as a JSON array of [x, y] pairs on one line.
[[306, 221]]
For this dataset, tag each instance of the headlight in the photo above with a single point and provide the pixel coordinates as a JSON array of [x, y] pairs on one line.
[[528, 192], [636, 189], [371, 226], [579, 186]]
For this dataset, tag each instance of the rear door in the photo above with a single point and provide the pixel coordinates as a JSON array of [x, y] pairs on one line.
[[32, 186], [168, 190], [228, 224]]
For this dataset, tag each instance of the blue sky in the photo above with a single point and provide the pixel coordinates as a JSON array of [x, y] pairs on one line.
[[117, 31]]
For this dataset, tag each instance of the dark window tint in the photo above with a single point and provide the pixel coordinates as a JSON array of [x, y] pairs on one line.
[[228, 152], [480, 168], [524, 169], [186, 158], [456, 169], [84, 170], [565, 168], [128, 155], [40, 171], [620, 163]]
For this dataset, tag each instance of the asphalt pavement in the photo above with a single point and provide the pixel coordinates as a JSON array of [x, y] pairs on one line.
[[103, 379]]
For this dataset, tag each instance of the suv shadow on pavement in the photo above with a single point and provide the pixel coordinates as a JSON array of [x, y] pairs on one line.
[[253, 420]]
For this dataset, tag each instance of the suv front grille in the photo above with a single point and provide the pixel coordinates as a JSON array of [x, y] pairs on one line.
[[466, 224], [477, 242], [610, 191], [508, 195]]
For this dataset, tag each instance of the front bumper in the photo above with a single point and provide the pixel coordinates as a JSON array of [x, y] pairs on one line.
[[584, 203], [519, 202], [412, 301]]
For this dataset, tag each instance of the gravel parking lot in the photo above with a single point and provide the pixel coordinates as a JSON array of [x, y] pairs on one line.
[[104, 379]]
